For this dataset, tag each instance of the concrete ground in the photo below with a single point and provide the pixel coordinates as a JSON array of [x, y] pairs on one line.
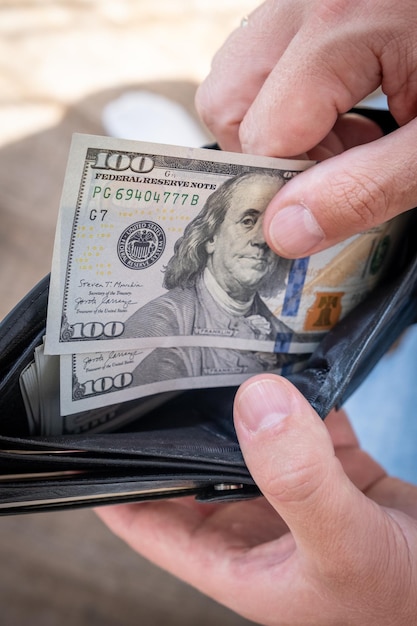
[[61, 63]]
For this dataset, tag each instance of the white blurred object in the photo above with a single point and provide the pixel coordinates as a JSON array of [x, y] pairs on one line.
[[146, 116], [376, 100]]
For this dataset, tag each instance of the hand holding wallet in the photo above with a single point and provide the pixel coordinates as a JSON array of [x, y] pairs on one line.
[[187, 445]]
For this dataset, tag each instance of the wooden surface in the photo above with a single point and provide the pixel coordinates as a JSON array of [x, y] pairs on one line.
[[61, 63]]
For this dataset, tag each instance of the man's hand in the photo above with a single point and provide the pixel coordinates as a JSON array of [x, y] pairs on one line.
[[315, 550], [279, 87]]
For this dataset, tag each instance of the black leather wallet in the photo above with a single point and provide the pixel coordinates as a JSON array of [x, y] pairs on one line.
[[186, 446]]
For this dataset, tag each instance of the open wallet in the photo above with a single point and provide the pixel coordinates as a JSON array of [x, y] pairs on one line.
[[186, 445]]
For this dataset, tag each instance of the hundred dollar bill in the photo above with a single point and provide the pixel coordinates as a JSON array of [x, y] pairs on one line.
[[90, 381], [160, 246], [40, 386]]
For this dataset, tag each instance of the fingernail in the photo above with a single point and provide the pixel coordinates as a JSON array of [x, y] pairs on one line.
[[263, 404], [294, 231]]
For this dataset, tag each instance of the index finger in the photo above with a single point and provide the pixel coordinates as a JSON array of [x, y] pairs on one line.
[[277, 85], [241, 66]]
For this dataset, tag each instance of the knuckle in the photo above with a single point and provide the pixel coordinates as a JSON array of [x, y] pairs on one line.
[[212, 109], [245, 134], [299, 481], [359, 201], [257, 134], [203, 102]]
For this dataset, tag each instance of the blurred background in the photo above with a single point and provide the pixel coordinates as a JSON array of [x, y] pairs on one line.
[[64, 65]]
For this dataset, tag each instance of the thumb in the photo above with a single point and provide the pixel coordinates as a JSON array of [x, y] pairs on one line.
[[344, 195], [290, 455]]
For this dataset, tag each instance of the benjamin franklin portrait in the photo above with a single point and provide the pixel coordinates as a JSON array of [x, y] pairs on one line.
[[215, 280]]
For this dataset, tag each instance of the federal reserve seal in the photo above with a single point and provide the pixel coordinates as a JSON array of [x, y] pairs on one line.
[[141, 244]]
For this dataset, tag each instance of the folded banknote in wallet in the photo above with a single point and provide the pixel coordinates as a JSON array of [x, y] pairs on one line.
[[118, 372]]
